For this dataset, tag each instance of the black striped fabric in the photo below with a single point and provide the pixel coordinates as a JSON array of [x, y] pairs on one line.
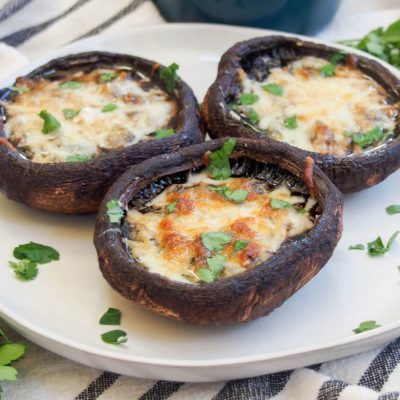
[[11, 8], [97, 387]]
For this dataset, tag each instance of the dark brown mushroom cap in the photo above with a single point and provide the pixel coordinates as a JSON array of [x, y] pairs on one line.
[[351, 173], [77, 188], [238, 298]]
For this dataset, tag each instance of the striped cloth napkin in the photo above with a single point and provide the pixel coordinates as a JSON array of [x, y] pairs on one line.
[[30, 28]]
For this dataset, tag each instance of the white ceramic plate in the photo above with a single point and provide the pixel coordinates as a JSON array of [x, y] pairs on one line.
[[61, 308]]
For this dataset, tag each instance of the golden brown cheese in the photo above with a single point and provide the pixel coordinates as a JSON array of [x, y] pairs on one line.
[[137, 109], [327, 109], [168, 238]]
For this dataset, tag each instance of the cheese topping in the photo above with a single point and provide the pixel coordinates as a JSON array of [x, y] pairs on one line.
[[316, 112], [170, 236], [112, 110]]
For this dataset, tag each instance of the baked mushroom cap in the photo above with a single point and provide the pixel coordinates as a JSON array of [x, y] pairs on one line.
[[257, 57], [237, 298], [78, 187]]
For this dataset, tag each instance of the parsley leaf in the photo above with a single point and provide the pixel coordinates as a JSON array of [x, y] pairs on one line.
[[327, 70], [70, 85], [36, 253], [366, 326], [253, 117], [20, 89], [79, 157], [239, 245], [220, 167], [393, 209], [171, 207], [8, 373], [273, 88], [24, 269], [10, 352], [111, 317], [169, 75], [163, 133], [107, 76], [377, 248], [215, 266], [247, 99], [205, 275], [50, 122], [291, 122], [302, 210], [70, 113], [381, 43], [237, 196], [215, 241], [116, 336], [366, 139], [276, 203], [109, 107], [358, 246], [114, 211]]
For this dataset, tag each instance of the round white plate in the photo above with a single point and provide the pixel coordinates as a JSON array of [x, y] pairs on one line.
[[61, 308]]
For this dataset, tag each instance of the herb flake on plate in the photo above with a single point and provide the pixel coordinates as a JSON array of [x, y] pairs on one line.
[[116, 336], [366, 326], [111, 317]]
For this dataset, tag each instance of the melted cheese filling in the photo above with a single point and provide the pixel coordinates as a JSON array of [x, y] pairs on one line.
[[325, 107], [169, 242], [139, 109]]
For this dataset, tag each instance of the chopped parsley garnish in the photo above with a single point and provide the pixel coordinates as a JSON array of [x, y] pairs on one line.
[[51, 124], [393, 209], [381, 43], [366, 326], [253, 117], [232, 106], [169, 76], [107, 76], [36, 253], [247, 99], [9, 352], [302, 210], [70, 113], [240, 245], [71, 85], [377, 248], [30, 255], [273, 88], [79, 157], [215, 241], [20, 89], [291, 122], [215, 266], [163, 133], [237, 196], [114, 211], [111, 317], [329, 69], [276, 203], [220, 167], [109, 107], [366, 139], [358, 246], [116, 336], [171, 207], [24, 269]]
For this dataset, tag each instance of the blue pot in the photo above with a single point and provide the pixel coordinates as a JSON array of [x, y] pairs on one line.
[[298, 16]]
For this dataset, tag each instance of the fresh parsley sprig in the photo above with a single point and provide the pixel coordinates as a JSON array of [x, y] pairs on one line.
[[51, 123], [366, 326], [9, 352], [114, 211], [219, 166], [377, 248], [169, 76], [381, 43]]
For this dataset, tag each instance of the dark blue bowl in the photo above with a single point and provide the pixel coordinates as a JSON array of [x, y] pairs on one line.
[[298, 16]]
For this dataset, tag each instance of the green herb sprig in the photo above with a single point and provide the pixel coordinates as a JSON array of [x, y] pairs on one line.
[[273, 88], [30, 255], [169, 76], [236, 196], [114, 211], [9, 352], [51, 123], [381, 43], [366, 326], [219, 167], [368, 138], [163, 133], [377, 248]]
